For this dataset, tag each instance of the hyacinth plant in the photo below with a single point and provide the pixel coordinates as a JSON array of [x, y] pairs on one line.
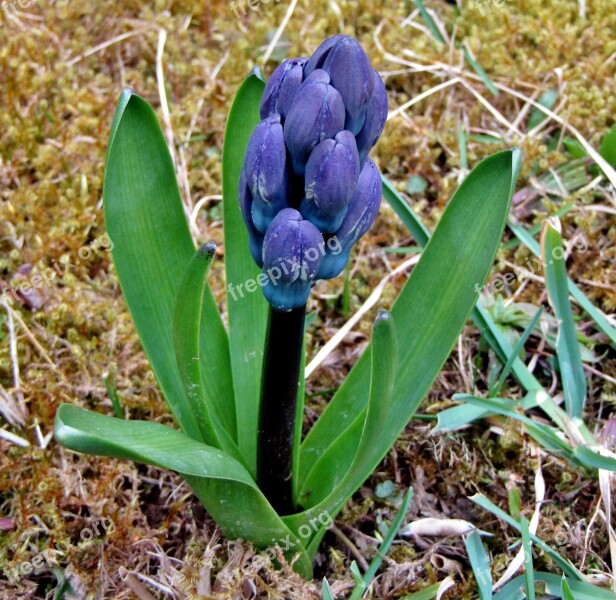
[[299, 190]]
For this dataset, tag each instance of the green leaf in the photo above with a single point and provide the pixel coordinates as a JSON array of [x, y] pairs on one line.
[[480, 71], [594, 460], [187, 326], [537, 116], [416, 184], [429, 313], [528, 559], [567, 351], [366, 454], [515, 353], [326, 591], [406, 214], [480, 563], [426, 594], [565, 589], [151, 241], [223, 485], [434, 30], [547, 436], [608, 146], [247, 310], [580, 589], [583, 302], [384, 547], [151, 249]]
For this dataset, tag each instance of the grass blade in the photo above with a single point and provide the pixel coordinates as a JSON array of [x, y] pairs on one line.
[[553, 585], [480, 563], [567, 350], [528, 559], [515, 353], [385, 545], [563, 564], [434, 30], [582, 301]]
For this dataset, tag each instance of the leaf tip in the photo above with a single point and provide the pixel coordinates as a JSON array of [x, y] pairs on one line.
[[208, 249]]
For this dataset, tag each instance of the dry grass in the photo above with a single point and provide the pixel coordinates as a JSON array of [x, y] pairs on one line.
[[62, 66]]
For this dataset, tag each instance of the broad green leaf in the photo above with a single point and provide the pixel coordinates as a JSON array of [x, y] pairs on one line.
[[582, 301], [186, 327], [223, 484], [480, 563], [562, 563], [367, 455], [247, 310], [567, 351], [461, 415], [429, 315], [151, 249], [580, 589]]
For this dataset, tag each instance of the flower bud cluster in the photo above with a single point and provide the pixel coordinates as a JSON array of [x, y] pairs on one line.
[[307, 177]]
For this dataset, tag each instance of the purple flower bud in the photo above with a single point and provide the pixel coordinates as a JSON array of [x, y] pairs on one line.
[[320, 54], [266, 171], [351, 74], [292, 253], [331, 174], [316, 114], [282, 87], [376, 116], [255, 237], [362, 211]]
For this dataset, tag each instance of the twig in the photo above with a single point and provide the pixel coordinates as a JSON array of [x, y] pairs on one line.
[[279, 31], [365, 307]]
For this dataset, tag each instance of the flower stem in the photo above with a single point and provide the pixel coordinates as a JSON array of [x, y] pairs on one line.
[[277, 413]]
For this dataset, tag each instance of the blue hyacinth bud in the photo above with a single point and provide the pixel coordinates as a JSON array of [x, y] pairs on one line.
[[320, 54], [376, 116], [255, 237], [331, 174], [266, 171], [362, 211], [292, 253], [316, 113], [282, 87], [350, 73]]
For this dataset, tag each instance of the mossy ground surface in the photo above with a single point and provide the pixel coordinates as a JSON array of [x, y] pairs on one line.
[[62, 66]]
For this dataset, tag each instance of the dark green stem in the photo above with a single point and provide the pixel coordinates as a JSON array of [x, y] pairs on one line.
[[279, 385]]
